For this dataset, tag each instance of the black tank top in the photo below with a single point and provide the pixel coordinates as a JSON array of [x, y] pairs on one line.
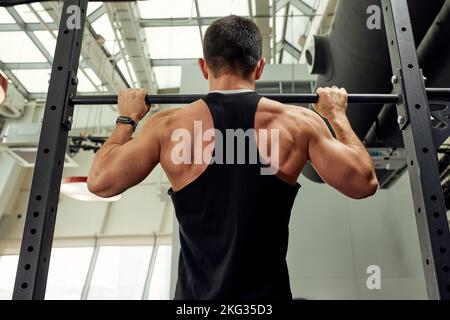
[[233, 221]]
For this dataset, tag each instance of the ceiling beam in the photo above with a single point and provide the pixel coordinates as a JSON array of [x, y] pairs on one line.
[[283, 31], [31, 65], [135, 42], [11, 77], [303, 7], [177, 22], [250, 10], [83, 64], [36, 26], [93, 53], [29, 26], [26, 65], [96, 14], [172, 62], [289, 48], [15, 15], [262, 20], [293, 51], [197, 9]]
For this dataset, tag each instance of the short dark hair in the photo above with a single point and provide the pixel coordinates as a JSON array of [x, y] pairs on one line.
[[232, 44]]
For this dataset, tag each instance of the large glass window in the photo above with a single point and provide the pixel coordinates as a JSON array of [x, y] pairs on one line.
[[296, 27], [8, 268], [103, 27], [28, 15], [166, 9], [160, 281], [34, 80], [5, 17], [168, 76], [20, 48], [67, 273], [120, 273], [218, 8], [174, 42]]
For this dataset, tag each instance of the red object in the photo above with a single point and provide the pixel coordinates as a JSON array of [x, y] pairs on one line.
[[76, 188], [3, 87], [75, 179]]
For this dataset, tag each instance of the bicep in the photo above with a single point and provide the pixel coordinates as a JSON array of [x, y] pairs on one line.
[[333, 160], [136, 159]]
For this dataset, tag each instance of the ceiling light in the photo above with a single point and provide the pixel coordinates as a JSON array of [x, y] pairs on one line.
[[76, 188]]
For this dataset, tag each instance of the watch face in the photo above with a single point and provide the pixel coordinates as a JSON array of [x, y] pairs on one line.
[[123, 119], [126, 120]]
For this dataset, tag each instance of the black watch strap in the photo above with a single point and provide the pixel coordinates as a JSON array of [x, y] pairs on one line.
[[126, 120]]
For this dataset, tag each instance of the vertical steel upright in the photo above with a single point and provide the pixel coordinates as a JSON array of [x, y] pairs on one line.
[[37, 238], [414, 121]]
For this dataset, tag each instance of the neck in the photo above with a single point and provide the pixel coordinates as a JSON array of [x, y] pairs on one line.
[[231, 82]]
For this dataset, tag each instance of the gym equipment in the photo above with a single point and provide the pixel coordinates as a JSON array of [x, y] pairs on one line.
[[432, 93], [421, 141], [345, 61]]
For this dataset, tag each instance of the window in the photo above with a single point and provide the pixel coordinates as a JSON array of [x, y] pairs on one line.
[[92, 76], [34, 80], [92, 6], [67, 273], [28, 15], [102, 26], [22, 49], [8, 268], [166, 9], [174, 42], [84, 84], [220, 8], [47, 40], [295, 27], [5, 17], [123, 68], [168, 77], [120, 273], [41, 12], [160, 281], [279, 24]]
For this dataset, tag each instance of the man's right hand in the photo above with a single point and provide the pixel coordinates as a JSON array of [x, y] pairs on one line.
[[131, 103], [332, 102]]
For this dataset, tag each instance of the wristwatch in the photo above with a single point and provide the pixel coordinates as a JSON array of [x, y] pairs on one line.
[[126, 120]]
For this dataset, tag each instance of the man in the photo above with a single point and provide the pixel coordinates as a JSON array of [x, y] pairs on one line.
[[233, 218]]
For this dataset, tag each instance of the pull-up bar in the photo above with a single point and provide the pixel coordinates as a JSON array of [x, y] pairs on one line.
[[433, 93], [283, 98]]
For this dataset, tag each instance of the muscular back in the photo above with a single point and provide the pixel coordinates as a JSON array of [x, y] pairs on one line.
[[293, 139], [342, 162]]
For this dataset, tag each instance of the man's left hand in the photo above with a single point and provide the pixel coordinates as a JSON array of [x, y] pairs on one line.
[[131, 103]]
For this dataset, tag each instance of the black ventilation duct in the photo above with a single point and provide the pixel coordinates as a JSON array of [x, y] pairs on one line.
[[355, 57]]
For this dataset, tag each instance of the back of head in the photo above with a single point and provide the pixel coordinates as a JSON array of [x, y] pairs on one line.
[[232, 45]]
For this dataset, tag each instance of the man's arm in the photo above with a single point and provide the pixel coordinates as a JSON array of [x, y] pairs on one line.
[[342, 162], [123, 162]]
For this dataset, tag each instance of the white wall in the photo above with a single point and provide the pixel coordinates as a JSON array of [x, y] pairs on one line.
[[334, 239]]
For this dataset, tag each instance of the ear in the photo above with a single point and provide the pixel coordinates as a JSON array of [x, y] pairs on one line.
[[203, 67], [260, 68]]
